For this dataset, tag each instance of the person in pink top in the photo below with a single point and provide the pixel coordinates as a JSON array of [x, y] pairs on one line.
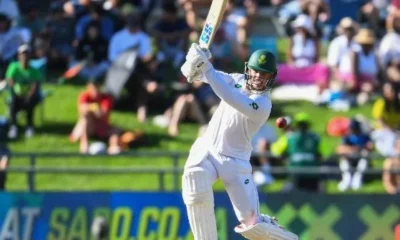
[[303, 65]]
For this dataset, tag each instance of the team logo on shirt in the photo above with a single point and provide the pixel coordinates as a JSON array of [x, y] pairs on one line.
[[262, 59], [254, 105], [246, 181], [237, 85]]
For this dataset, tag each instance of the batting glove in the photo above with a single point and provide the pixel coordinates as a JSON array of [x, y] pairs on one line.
[[197, 61]]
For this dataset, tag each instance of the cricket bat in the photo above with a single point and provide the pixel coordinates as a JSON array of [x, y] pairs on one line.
[[213, 20]]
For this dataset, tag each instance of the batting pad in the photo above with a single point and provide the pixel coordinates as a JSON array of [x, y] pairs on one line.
[[265, 231], [198, 196]]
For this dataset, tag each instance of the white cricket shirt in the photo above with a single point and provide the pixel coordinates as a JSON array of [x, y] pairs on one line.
[[238, 117]]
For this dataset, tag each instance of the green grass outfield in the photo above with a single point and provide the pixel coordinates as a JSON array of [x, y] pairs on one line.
[[60, 111]]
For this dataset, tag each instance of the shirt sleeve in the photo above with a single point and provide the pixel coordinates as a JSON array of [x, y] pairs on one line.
[[106, 103], [145, 46], [81, 27], [231, 79], [280, 146], [84, 98], [11, 70], [255, 107], [333, 54], [113, 49]]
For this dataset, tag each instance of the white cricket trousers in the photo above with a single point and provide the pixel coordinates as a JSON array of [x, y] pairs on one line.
[[236, 175]]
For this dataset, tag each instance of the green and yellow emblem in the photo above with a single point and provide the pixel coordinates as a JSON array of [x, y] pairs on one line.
[[262, 59]]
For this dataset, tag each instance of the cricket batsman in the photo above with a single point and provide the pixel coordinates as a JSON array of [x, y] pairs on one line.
[[225, 148]]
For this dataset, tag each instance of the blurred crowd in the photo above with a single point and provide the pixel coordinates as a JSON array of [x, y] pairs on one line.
[[131, 51]]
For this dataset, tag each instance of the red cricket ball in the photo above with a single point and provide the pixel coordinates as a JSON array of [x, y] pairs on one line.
[[281, 122]]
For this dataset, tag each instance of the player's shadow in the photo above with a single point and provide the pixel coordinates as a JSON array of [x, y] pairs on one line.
[[57, 128]]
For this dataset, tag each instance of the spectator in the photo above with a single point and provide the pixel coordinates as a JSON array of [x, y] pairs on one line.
[[96, 15], [386, 110], [131, 37], [10, 39], [303, 57], [393, 12], [302, 149], [359, 69], [372, 15], [191, 105], [116, 11], [92, 48], [393, 72], [171, 33], [143, 84], [354, 151], [391, 181], [318, 11], [191, 8], [32, 21], [221, 50], [24, 82], [10, 9], [389, 47], [340, 46], [235, 24], [59, 29], [94, 108], [384, 141], [261, 144], [77, 8]]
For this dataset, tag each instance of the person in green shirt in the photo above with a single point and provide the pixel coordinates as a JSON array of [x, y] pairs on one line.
[[23, 81], [302, 149]]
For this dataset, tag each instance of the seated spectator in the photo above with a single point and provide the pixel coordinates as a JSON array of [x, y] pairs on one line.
[[94, 108], [386, 110], [96, 15], [393, 72], [372, 15], [303, 57], [359, 69], [340, 46], [389, 47], [221, 50], [191, 8], [116, 11], [10, 9], [393, 12], [171, 33], [389, 54], [58, 30], [384, 141], [143, 84], [302, 149], [24, 82], [76, 8], [391, 181], [261, 144], [318, 11], [354, 151], [93, 49], [192, 105], [32, 21], [10, 39], [235, 23], [130, 37]]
